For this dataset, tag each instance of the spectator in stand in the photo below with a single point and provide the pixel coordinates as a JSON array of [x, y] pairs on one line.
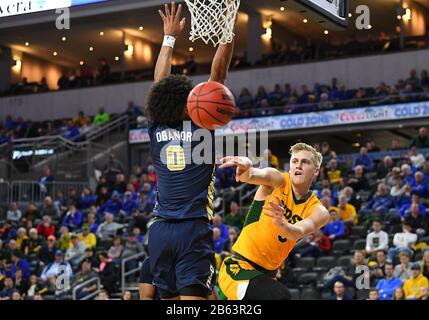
[[87, 199], [424, 263], [333, 172], [103, 72], [87, 237], [365, 160], [45, 180], [34, 243], [101, 118], [47, 252], [76, 253], [108, 228], [73, 219], [324, 103], [93, 225], [217, 223], [19, 262], [120, 184], [351, 197], [269, 160], [403, 269], [113, 205], [403, 241], [8, 289], [220, 245], [21, 284], [235, 217], [406, 174], [111, 169], [46, 228], [416, 221], [14, 214], [107, 272], [275, 97], [399, 294], [115, 251], [340, 292], [80, 120], [260, 95], [387, 286], [245, 102], [358, 181], [347, 212], [335, 229], [414, 283], [384, 167], [372, 146], [376, 240], [86, 273], [50, 208], [72, 197], [420, 186], [64, 242], [422, 140], [129, 204], [58, 267], [21, 239], [417, 159], [316, 245], [72, 131], [380, 203]]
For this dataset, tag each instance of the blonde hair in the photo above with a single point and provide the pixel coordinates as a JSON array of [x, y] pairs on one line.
[[317, 156]]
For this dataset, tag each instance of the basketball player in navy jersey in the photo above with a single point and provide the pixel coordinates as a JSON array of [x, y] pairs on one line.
[[180, 240]]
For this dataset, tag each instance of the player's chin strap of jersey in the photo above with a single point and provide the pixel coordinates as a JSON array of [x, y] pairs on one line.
[[269, 273]]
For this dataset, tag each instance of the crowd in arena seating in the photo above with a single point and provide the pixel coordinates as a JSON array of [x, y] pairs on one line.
[[322, 97], [73, 129], [380, 220]]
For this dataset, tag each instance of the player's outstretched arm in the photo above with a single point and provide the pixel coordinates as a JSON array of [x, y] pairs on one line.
[[222, 60], [245, 172], [317, 219], [173, 26]]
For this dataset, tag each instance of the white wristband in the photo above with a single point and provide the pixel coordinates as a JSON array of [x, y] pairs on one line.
[[169, 41]]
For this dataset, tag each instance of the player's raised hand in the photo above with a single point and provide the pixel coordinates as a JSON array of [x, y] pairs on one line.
[[243, 165], [173, 24]]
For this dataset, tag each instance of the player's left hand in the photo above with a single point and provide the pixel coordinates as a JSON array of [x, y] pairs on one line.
[[173, 23], [276, 213]]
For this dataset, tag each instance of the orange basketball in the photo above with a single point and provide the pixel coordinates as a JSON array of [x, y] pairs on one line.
[[211, 105]]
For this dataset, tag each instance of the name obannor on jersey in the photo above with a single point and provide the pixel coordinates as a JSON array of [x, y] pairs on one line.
[[168, 135]]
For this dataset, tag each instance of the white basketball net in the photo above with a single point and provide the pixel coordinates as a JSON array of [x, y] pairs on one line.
[[213, 20]]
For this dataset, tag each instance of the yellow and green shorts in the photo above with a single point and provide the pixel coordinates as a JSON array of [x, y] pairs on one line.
[[234, 277]]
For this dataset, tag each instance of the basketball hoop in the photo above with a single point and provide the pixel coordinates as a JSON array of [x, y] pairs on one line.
[[213, 20]]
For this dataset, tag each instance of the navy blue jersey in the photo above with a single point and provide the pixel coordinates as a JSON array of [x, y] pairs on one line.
[[185, 186]]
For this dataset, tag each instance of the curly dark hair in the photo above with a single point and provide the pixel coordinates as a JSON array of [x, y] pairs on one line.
[[167, 99]]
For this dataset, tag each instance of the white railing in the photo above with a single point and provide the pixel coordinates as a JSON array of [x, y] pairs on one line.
[[125, 273], [85, 284]]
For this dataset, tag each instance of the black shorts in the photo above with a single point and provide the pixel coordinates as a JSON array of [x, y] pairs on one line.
[[182, 257], [263, 287]]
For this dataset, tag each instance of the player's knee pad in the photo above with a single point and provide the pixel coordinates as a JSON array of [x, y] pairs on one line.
[[265, 288]]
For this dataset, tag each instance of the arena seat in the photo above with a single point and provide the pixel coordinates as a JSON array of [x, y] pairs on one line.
[[305, 263], [358, 231], [310, 294], [294, 294], [325, 263], [308, 278], [359, 244], [340, 247], [345, 261]]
